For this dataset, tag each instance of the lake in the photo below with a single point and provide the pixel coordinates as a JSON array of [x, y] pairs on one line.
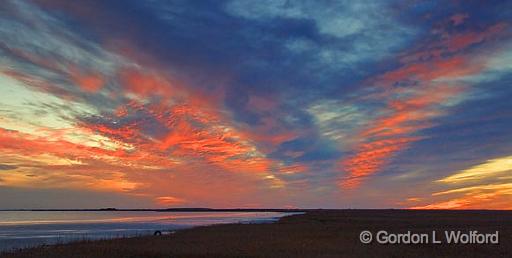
[[21, 229]]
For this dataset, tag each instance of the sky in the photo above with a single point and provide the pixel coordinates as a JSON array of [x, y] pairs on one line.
[[256, 104]]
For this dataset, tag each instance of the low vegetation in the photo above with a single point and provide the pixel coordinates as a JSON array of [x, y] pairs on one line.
[[314, 234]]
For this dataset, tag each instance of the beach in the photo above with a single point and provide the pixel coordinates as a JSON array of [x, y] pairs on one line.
[[320, 233]]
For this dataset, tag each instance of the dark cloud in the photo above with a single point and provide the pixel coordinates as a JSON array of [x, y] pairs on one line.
[[7, 167]]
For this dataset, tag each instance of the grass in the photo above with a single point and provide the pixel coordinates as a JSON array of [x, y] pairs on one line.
[[314, 234]]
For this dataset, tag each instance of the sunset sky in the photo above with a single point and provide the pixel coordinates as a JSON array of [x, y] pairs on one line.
[[267, 103]]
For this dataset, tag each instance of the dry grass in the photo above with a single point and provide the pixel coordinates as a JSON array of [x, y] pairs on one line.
[[315, 234]]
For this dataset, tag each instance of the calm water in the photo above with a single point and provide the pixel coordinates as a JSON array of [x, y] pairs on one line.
[[20, 229]]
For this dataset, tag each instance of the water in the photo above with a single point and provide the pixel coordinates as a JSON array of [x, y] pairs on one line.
[[21, 229]]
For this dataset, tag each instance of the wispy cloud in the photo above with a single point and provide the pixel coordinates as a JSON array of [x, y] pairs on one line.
[[208, 103], [418, 91], [484, 185]]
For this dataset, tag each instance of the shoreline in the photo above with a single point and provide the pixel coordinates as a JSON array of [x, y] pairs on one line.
[[312, 234], [55, 227]]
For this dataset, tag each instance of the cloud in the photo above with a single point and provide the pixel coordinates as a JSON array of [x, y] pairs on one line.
[[415, 93], [491, 168], [138, 119], [169, 200], [361, 37], [236, 103], [7, 167], [492, 196], [476, 187]]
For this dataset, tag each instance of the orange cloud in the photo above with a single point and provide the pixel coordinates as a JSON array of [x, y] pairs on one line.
[[198, 130], [409, 109], [88, 82], [370, 158], [466, 188], [390, 134], [146, 84], [456, 66], [169, 200], [496, 196], [449, 44]]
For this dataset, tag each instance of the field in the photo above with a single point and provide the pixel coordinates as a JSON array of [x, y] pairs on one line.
[[328, 233]]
